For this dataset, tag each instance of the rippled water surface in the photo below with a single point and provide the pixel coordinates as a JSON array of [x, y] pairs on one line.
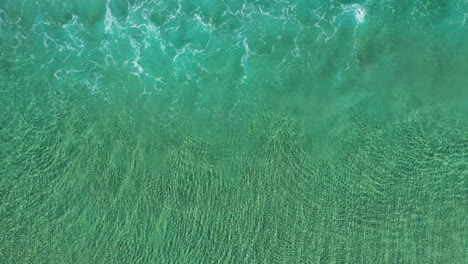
[[233, 131]]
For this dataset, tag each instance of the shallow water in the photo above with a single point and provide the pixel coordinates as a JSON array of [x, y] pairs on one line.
[[227, 131]]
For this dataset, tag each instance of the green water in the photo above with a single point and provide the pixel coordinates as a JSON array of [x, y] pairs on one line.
[[233, 131]]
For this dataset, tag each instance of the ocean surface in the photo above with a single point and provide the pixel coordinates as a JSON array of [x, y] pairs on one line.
[[233, 131]]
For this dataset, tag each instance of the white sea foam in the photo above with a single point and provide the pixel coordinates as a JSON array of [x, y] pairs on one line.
[[136, 47], [206, 26], [109, 20], [245, 58], [360, 14], [358, 10]]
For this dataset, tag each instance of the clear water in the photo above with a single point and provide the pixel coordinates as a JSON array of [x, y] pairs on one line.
[[230, 131]]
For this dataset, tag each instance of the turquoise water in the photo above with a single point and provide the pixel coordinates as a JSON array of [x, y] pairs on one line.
[[205, 131]]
